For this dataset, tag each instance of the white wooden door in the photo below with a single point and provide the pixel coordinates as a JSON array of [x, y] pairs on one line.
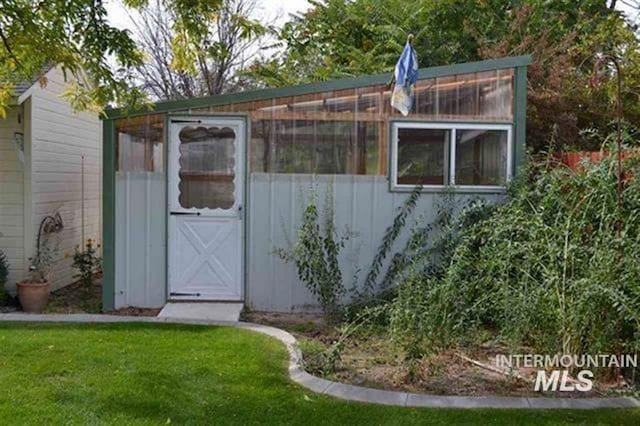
[[206, 188]]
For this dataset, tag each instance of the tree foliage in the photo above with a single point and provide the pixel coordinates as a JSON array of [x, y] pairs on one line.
[[223, 51], [98, 59], [337, 38], [74, 34]]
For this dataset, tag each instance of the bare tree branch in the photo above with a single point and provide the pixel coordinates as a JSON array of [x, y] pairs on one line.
[[218, 59]]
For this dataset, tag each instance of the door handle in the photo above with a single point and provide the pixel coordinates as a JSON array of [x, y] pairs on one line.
[[185, 213], [240, 211]]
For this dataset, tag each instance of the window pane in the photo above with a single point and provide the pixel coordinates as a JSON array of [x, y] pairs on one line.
[[207, 167], [425, 97], [260, 145], [447, 95], [423, 156], [139, 143], [481, 157], [314, 146], [496, 94], [346, 131]]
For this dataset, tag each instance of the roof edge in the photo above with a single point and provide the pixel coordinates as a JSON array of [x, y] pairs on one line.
[[303, 89]]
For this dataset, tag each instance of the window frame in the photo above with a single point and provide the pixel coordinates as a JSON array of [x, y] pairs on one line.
[[452, 127]]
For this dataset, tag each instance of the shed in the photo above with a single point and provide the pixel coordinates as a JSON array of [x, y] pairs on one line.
[[199, 192], [50, 162]]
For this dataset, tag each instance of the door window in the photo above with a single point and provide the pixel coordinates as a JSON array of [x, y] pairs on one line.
[[207, 168]]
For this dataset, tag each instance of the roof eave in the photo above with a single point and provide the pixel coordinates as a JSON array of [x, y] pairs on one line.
[[350, 83]]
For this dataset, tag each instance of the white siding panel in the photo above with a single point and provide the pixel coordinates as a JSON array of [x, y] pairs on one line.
[[11, 197], [362, 204], [140, 276], [60, 138]]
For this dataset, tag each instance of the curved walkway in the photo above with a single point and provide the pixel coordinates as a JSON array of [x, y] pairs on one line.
[[345, 391]]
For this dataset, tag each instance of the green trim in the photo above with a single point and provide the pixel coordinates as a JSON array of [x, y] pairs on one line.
[[352, 83], [245, 211], [108, 215], [520, 117], [166, 162]]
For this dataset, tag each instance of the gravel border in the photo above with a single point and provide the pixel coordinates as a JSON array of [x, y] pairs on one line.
[[346, 391]]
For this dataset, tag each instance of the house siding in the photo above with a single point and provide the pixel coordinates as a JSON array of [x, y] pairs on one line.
[[12, 196], [59, 140], [141, 240], [362, 204]]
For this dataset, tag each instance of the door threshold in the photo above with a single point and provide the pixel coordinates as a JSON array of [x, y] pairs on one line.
[[212, 311], [185, 300]]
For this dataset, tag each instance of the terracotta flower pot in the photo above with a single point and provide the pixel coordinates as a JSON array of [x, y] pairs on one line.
[[33, 296]]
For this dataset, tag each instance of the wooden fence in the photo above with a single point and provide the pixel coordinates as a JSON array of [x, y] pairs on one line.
[[573, 160]]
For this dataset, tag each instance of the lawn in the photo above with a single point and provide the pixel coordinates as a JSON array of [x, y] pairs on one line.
[[156, 374]]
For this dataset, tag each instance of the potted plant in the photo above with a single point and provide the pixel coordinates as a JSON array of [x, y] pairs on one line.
[[33, 292]]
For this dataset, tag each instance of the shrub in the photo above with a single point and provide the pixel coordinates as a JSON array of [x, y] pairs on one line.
[[4, 274], [87, 263], [319, 359], [315, 255], [41, 267], [557, 267]]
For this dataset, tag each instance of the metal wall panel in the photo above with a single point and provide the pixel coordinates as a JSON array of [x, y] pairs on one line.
[[362, 204], [140, 276]]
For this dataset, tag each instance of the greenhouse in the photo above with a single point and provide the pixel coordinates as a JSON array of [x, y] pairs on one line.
[[199, 193]]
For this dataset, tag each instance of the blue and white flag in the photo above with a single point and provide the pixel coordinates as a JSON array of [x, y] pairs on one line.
[[406, 74]]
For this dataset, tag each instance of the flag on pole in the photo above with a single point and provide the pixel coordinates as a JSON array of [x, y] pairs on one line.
[[406, 74]]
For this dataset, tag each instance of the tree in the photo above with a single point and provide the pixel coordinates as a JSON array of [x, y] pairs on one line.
[[224, 49], [338, 38], [75, 35]]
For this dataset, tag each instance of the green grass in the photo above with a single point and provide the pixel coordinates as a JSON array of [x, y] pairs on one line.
[[155, 374]]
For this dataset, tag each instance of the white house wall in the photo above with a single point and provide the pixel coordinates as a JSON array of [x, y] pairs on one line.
[[59, 140], [12, 196]]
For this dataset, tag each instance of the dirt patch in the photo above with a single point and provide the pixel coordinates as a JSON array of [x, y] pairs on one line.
[[135, 312], [9, 304], [371, 358], [76, 299], [308, 325]]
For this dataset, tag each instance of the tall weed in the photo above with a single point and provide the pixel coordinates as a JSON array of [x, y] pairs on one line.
[[557, 267]]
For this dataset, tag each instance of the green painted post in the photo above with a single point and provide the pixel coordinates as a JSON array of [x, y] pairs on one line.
[[520, 116], [108, 215]]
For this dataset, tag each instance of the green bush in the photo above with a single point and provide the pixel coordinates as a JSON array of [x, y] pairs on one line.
[[87, 263], [319, 359], [4, 274], [315, 254], [557, 267]]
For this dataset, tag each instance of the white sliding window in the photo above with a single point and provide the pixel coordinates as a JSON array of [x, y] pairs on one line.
[[464, 156]]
